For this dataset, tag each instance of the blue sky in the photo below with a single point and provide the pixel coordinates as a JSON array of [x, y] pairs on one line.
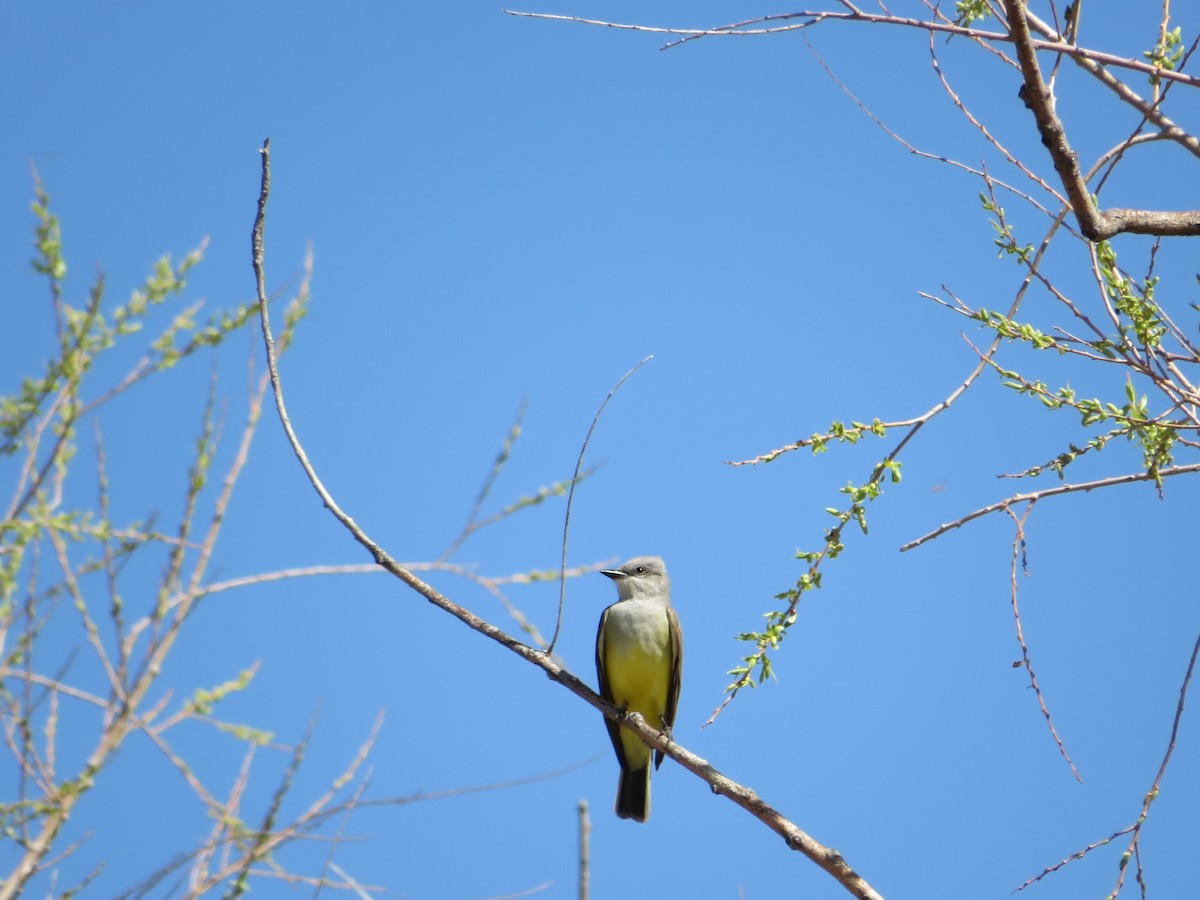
[[502, 208]]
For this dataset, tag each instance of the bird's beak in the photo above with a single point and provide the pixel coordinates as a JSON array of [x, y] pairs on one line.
[[614, 574]]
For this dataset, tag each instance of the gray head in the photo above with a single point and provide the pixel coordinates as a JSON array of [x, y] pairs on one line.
[[642, 576]]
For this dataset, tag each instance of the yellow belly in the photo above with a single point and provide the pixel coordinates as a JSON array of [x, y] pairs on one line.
[[638, 667]]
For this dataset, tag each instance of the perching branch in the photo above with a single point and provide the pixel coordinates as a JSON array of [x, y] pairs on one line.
[[825, 857]]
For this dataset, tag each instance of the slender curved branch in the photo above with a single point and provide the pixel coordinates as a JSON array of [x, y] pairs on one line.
[[562, 581], [1018, 559]]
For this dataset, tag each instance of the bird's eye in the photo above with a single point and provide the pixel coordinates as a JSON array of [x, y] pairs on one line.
[[641, 570]]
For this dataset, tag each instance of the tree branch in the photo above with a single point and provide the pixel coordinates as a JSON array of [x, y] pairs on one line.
[[814, 17], [1050, 492], [827, 858], [1095, 224]]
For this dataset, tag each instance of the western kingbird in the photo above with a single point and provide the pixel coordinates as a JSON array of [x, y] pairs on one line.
[[639, 661]]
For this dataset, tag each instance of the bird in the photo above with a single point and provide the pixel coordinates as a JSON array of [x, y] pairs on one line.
[[639, 664]]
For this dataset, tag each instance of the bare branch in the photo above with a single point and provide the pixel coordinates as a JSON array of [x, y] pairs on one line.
[[814, 17], [1131, 478], [1152, 794], [1095, 225], [925, 154], [1019, 558], [827, 858], [1094, 64]]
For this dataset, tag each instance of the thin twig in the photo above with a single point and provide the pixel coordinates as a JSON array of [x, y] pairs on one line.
[[562, 591], [1131, 478], [1152, 794], [914, 150], [1019, 559], [472, 525], [814, 17]]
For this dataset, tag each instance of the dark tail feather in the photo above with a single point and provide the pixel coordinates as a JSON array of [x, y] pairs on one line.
[[633, 794]]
